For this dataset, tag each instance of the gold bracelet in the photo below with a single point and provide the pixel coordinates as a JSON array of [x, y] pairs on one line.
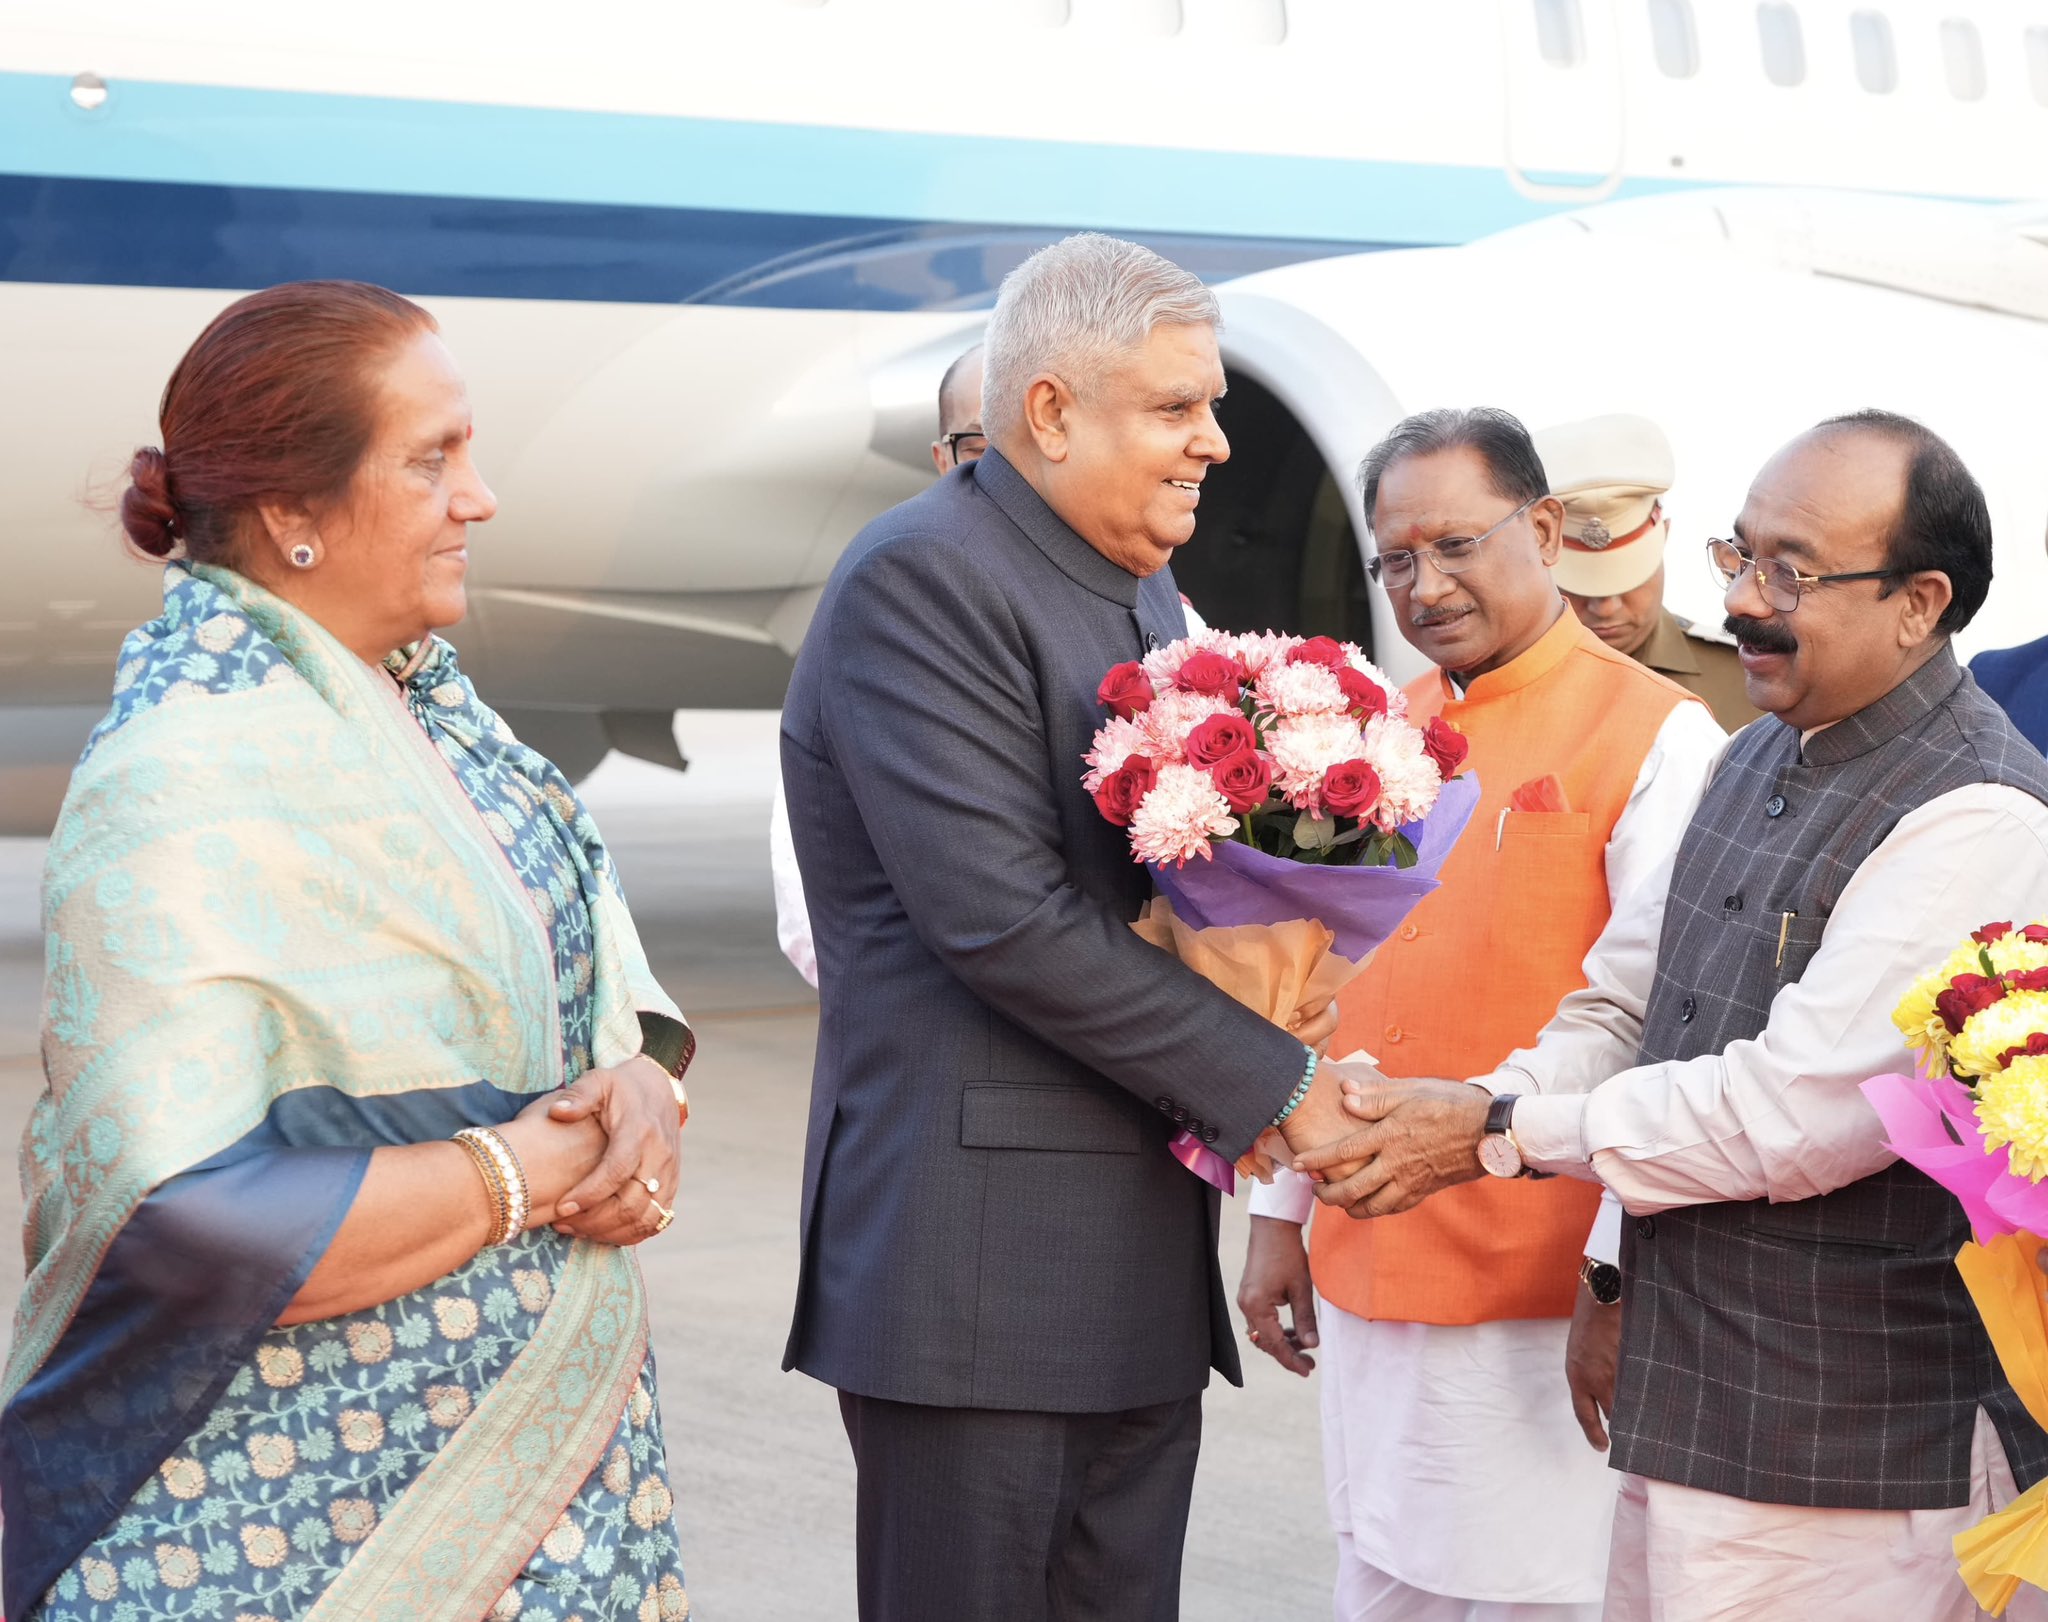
[[518, 1201], [494, 1183]]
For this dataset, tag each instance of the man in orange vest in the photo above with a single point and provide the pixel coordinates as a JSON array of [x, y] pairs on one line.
[[1460, 1486]]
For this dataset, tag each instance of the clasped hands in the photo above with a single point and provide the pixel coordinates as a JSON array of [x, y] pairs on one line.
[[1416, 1137], [611, 1143]]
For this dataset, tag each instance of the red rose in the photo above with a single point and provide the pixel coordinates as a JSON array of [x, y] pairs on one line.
[[2037, 933], [2035, 1045], [1990, 933], [1244, 780], [2027, 980], [1319, 650], [1350, 789], [1215, 674], [1122, 789], [1218, 738], [1365, 696], [1127, 690], [1445, 745], [1967, 994]]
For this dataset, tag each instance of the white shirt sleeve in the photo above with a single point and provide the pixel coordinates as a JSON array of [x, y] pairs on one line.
[[1777, 1116], [792, 917], [1290, 1196]]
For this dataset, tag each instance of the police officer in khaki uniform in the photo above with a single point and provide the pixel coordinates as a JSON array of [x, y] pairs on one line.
[[1609, 472]]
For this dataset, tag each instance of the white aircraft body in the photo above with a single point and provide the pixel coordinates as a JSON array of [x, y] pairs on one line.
[[704, 261]]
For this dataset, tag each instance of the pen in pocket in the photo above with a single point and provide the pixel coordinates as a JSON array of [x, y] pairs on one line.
[[1784, 928]]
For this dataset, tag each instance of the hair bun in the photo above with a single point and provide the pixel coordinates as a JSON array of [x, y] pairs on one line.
[[147, 513]]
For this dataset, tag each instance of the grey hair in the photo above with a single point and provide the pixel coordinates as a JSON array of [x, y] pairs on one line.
[[1071, 309], [1513, 468]]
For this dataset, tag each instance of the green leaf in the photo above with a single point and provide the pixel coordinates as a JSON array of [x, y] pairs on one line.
[[1404, 851], [1314, 833]]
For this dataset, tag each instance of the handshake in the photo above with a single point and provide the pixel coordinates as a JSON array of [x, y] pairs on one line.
[[1375, 1145]]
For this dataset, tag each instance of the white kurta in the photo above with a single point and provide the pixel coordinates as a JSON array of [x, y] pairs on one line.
[[1454, 1464]]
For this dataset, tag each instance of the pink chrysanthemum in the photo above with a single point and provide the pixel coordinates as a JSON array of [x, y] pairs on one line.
[[1163, 664], [1116, 740], [1304, 747], [1178, 819], [1258, 651], [1397, 701], [1408, 776], [1290, 690], [1173, 716]]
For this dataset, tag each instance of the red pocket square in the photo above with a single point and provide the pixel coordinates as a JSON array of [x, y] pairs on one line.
[[1540, 794]]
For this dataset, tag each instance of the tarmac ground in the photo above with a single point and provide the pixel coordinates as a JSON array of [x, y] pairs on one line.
[[762, 1475]]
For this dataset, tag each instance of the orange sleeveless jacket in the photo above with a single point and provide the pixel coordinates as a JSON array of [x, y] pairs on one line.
[[1481, 965]]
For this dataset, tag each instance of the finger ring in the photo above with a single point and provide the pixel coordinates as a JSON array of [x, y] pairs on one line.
[[667, 1216], [653, 1184], [1254, 1335]]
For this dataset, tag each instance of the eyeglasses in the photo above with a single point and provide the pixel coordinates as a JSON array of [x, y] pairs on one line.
[[965, 446], [1454, 554], [1781, 584]]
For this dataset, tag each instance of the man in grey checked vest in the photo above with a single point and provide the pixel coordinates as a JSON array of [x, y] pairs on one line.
[[1808, 1408]]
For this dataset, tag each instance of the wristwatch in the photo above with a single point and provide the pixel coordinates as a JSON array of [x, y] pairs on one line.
[[1498, 1151], [1602, 1281]]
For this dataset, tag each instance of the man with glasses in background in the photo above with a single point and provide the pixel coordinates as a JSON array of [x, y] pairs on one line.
[[1459, 1485], [960, 435], [1808, 1407]]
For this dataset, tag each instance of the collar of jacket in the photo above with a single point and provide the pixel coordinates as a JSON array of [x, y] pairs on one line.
[[1667, 649], [1531, 665], [1898, 712], [1067, 552]]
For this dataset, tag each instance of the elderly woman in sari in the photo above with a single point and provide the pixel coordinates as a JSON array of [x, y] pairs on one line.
[[329, 1310]]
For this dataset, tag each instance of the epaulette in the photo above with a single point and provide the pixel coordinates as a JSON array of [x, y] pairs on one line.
[[1709, 633]]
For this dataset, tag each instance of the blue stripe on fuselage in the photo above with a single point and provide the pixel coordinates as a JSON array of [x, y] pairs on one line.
[[162, 234]]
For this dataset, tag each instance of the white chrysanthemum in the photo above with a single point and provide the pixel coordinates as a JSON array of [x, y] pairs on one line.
[[1307, 746], [1173, 716], [1289, 690], [1987, 1033], [1259, 651], [1397, 701], [1116, 740], [2012, 1109], [1163, 664], [221, 632], [1409, 779], [1178, 818]]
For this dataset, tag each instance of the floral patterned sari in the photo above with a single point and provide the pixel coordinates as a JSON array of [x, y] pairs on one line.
[[298, 909]]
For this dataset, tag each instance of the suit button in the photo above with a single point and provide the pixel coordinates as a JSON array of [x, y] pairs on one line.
[[1180, 1115], [1409, 932], [1208, 1134], [1165, 1105], [1646, 1227], [1393, 1033], [1775, 806], [1686, 1011], [1733, 903]]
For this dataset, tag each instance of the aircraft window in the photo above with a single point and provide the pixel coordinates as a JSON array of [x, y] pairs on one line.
[[1560, 35], [2037, 63], [1673, 38], [1870, 40], [1962, 59], [1783, 46]]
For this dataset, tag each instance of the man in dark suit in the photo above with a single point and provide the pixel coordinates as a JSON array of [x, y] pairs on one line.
[[1007, 1276], [2017, 681]]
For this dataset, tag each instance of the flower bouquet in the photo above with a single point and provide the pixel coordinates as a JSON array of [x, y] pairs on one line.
[[1290, 812], [1976, 1121]]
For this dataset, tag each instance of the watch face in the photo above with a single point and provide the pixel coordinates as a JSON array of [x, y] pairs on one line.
[[1603, 1282], [1499, 1156]]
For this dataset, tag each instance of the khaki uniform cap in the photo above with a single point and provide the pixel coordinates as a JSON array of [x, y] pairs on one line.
[[1609, 472]]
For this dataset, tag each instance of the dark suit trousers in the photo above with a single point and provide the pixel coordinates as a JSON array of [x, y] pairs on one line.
[[998, 1515]]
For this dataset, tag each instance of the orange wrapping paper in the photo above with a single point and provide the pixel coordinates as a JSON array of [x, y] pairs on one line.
[[2011, 1547]]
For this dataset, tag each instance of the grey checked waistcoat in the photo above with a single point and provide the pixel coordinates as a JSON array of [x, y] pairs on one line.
[[1820, 1352]]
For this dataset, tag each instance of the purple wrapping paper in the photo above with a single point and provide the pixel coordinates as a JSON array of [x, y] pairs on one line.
[[1932, 1125], [1361, 906]]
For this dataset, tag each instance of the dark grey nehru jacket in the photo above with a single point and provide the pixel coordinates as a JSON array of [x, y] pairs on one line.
[[990, 1217], [1818, 1352]]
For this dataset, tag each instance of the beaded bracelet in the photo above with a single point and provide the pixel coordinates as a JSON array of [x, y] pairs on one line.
[[1308, 1078], [502, 1173]]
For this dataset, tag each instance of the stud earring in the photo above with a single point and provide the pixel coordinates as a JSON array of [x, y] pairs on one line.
[[302, 556]]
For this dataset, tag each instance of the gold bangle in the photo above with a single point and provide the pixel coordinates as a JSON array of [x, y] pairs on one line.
[[518, 1197], [494, 1183]]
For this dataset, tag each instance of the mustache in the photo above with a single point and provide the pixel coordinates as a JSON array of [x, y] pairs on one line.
[[1766, 636], [1435, 616]]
